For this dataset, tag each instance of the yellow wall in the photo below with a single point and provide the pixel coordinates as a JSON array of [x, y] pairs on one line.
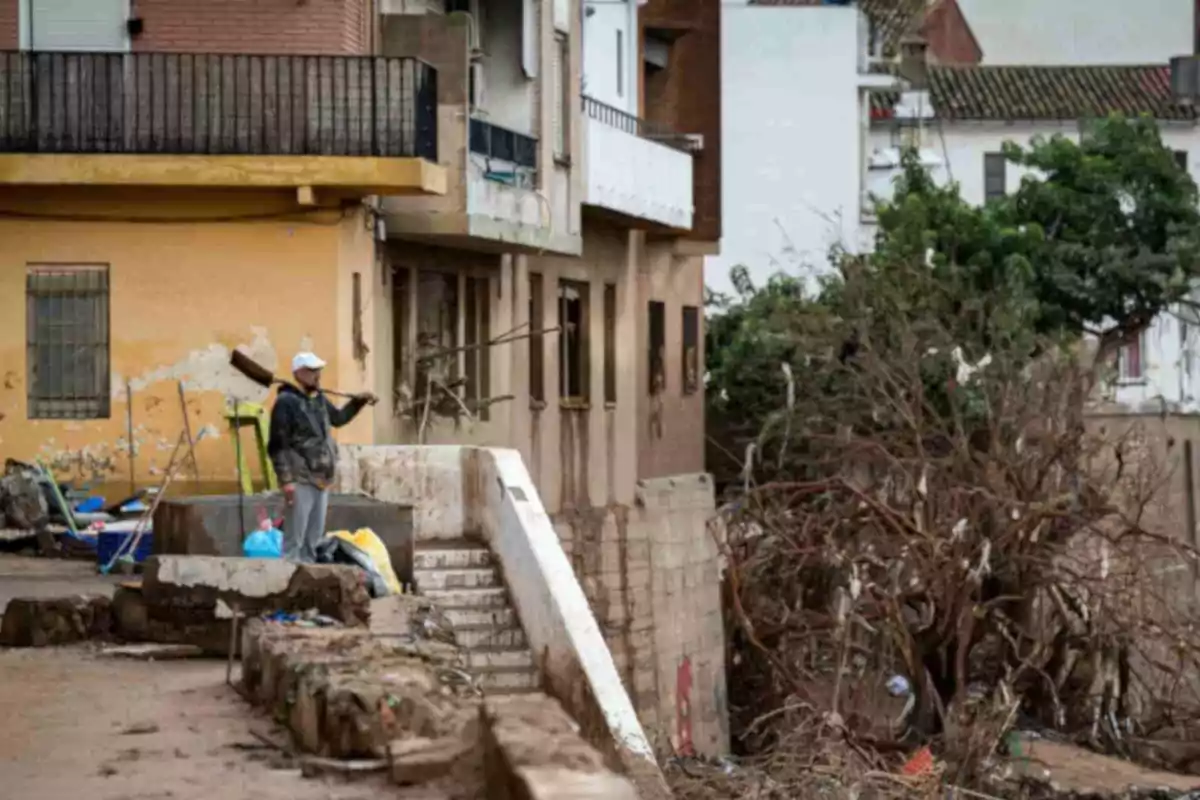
[[190, 278]]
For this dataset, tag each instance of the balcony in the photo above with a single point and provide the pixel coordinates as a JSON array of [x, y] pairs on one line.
[[636, 170], [358, 125]]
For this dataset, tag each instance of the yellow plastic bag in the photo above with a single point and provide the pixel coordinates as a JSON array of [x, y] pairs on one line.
[[366, 540]]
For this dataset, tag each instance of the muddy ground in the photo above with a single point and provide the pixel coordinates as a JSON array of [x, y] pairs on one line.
[[79, 725]]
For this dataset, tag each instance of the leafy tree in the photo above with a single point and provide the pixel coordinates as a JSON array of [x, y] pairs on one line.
[[1102, 236]]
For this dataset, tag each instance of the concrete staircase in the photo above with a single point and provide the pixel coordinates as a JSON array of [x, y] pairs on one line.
[[461, 577]]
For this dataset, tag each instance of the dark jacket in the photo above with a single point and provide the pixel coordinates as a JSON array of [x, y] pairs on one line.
[[301, 442]]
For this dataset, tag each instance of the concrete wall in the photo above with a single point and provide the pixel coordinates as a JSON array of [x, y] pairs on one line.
[[650, 573], [638, 177], [1080, 31], [791, 151], [182, 295], [603, 22]]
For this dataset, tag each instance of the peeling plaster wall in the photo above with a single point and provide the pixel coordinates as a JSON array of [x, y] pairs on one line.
[[183, 294]]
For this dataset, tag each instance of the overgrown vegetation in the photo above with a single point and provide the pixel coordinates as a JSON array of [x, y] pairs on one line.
[[914, 489]]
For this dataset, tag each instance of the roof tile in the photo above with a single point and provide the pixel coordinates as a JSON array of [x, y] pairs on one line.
[[1030, 93]]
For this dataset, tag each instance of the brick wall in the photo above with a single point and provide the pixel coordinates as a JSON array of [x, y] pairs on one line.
[[951, 40], [255, 26], [652, 574], [687, 95], [8, 24]]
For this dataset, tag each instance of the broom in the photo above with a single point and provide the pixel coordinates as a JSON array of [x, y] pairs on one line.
[[265, 378]]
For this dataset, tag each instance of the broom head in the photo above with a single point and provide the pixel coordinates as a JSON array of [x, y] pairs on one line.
[[251, 369]]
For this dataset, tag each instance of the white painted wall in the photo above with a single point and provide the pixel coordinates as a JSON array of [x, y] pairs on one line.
[[604, 22], [1080, 31], [508, 95], [73, 24], [638, 177], [790, 138]]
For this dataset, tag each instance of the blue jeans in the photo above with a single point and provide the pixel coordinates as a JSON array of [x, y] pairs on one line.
[[304, 523]]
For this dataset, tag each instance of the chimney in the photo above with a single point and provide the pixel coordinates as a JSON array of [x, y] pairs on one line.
[[914, 66]]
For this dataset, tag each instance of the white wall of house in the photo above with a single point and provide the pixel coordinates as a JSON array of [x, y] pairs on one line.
[[1080, 31], [509, 99], [790, 138], [610, 53]]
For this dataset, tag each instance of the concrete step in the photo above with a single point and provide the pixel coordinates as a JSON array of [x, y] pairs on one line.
[[474, 636], [491, 658], [451, 554], [471, 578], [481, 617], [491, 597], [505, 679]]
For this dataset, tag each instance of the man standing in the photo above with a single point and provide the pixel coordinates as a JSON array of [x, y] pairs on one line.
[[304, 455]]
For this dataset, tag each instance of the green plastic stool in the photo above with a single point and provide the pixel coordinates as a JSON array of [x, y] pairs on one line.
[[241, 415]]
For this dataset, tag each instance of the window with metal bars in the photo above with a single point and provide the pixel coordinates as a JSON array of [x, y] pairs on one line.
[[691, 349], [67, 341], [658, 346], [995, 176], [573, 322]]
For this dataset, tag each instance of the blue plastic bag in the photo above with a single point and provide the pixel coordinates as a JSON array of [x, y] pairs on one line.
[[264, 544]]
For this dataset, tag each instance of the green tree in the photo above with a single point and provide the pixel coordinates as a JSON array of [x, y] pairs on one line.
[[1102, 235]]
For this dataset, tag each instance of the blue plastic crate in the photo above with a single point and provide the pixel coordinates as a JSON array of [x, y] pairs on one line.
[[109, 543]]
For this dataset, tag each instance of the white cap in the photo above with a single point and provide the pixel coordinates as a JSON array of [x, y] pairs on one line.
[[306, 361]]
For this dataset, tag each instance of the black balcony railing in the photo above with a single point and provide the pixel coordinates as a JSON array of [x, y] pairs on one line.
[[502, 144], [192, 104], [623, 120]]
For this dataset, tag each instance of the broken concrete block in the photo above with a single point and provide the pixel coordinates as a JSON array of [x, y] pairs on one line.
[[420, 760], [557, 783], [518, 727], [346, 693], [184, 589], [30, 622], [132, 622]]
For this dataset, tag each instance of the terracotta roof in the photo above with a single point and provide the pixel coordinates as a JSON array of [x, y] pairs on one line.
[[1047, 93]]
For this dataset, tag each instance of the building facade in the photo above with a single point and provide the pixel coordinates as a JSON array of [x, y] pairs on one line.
[[493, 214]]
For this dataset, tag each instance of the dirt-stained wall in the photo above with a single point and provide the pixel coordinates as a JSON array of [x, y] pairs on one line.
[[190, 278], [652, 575]]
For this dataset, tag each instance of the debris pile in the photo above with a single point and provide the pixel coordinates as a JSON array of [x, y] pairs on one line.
[[934, 546]]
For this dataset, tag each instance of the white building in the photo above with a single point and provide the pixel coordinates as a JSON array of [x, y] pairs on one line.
[[809, 133]]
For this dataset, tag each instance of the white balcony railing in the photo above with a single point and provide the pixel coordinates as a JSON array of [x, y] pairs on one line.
[[632, 173]]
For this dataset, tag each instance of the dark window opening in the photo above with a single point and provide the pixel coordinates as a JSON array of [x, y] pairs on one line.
[[573, 338], [691, 349], [478, 355], [610, 343], [537, 355], [658, 347], [995, 176], [1181, 158], [437, 334], [67, 339], [401, 344]]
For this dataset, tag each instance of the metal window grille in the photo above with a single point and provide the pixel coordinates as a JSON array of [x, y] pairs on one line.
[[220, 104], [573, 341], [658, 343], [67, 336], [610, 343], [691, 349], [994, 176]]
